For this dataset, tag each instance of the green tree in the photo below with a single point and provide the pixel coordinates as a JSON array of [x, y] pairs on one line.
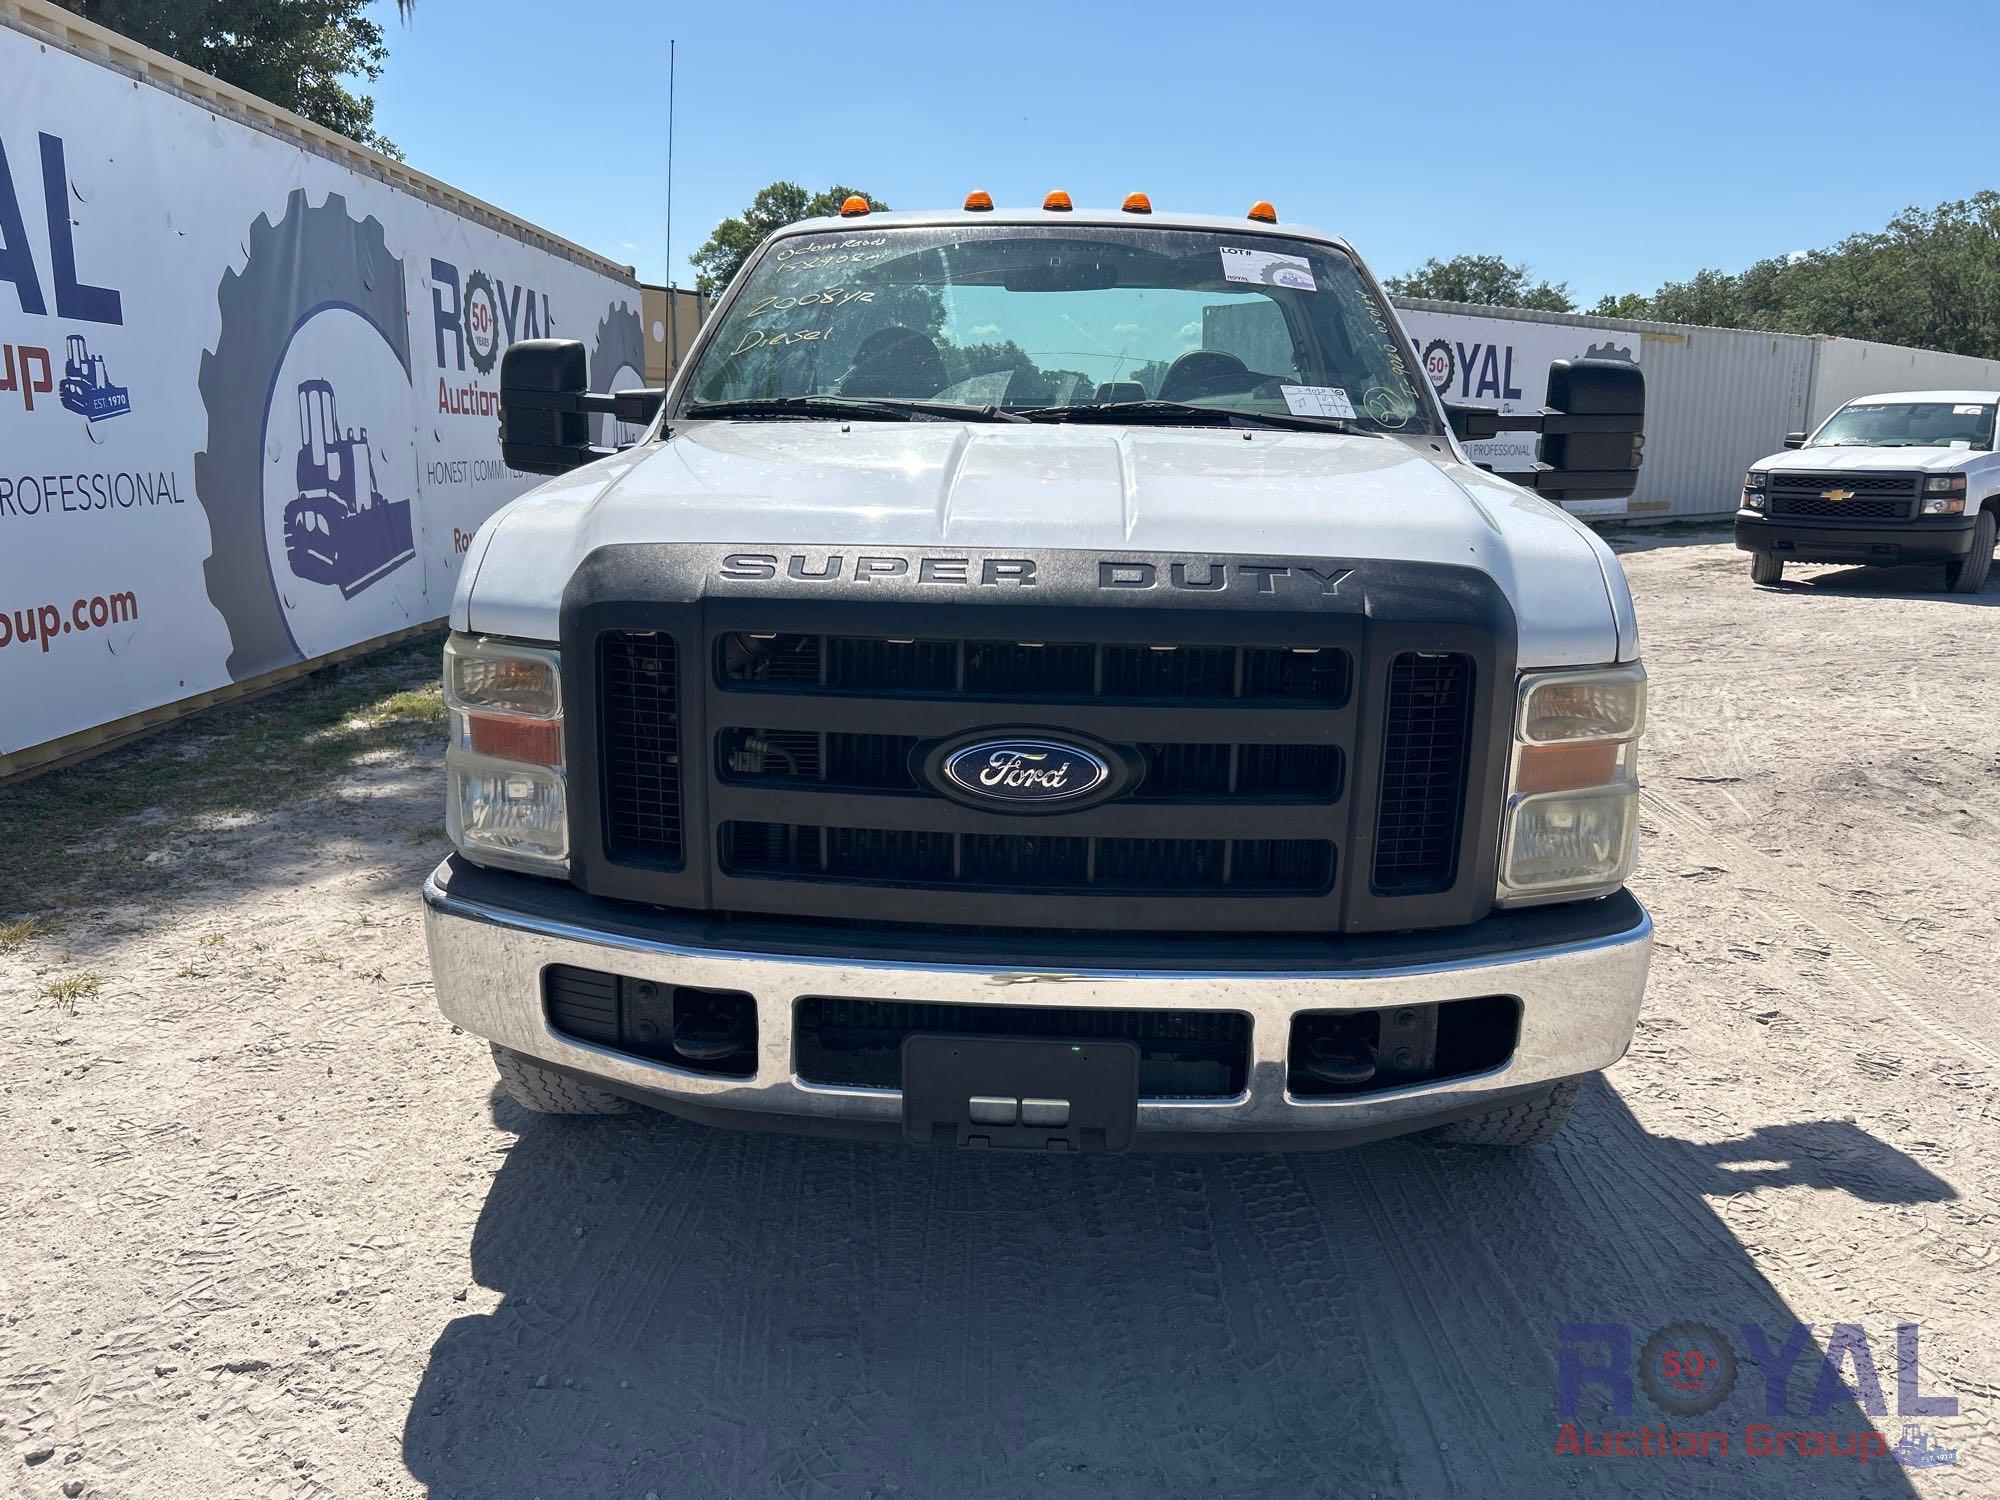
[[1624, 305], [722, 254], [1485, 279], [292, 52], [1930, 278]]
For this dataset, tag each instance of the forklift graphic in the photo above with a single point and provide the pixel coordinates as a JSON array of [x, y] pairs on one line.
[[86, 388], [341, 530]]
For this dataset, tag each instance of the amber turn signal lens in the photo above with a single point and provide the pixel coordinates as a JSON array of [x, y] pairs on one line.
[[1057, 202], [979, 203], [1263, 213], [856, 204], [1567, 767], [1138, 203], [504, 737]]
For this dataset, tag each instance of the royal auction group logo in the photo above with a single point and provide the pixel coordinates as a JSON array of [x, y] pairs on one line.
[[1690, 1369]]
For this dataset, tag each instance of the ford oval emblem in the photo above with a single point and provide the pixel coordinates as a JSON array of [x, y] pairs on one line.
[[1026, 774]]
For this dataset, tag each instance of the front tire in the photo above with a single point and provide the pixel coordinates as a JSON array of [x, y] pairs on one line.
[[1766, 569], [548, 1092], [1969, 576], [1531, 1123]]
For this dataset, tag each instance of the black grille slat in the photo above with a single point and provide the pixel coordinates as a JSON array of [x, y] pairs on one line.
[[642, 750], [931, 669], [582, 1002], [1424, 753], [1849, 510], [1029, 862]]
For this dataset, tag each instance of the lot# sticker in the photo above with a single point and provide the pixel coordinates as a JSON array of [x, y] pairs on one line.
[[1317, 401], [1267, 268]]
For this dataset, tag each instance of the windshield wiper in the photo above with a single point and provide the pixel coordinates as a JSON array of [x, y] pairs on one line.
[[871, 410], [1182, 413]]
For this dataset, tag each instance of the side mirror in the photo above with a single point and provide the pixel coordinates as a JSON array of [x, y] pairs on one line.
[[546, 404], [1593, 429], [1795, 440]]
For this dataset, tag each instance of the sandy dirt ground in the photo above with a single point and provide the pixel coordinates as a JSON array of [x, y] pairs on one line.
[[266, 1229]]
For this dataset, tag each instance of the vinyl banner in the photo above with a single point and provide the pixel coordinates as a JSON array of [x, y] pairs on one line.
[[1504, 363], [248, 397]]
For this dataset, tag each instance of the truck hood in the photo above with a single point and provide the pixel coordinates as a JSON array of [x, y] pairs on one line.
[[1204, 492], [1873, 460]]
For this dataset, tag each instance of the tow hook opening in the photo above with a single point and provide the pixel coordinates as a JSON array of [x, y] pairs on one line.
[[701, 1030], [1344, 1053]]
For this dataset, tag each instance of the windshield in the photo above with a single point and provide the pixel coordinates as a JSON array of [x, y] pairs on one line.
[[1057, 321], [1909, 424]]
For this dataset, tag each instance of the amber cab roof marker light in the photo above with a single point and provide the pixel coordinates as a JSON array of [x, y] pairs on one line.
[[853, 207], [979, 202], [1057, 202], [1138, 203], [1262, 212]]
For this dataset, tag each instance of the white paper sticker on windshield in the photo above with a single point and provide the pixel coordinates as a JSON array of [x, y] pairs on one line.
[[1961, 443], [1317, 401], [1267, 268], [1967, 411]]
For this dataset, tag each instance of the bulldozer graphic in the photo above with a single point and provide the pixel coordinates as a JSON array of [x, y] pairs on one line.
[[86, 387], [341, 530]]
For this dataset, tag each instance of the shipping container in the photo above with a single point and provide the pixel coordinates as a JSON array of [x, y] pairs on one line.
[[1716, 398], [1855, 367]]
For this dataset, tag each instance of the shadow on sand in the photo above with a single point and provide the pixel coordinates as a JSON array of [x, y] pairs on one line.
[[701, 1313]]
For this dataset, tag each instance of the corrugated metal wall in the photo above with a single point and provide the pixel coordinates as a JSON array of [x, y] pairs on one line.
[[1854, 367], [1719, 398]]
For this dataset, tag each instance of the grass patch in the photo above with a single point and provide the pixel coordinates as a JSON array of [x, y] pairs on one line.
[[84, 833], [71, 988], [16, 934]]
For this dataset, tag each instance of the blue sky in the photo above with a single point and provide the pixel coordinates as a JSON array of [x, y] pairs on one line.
[[1610, 145]]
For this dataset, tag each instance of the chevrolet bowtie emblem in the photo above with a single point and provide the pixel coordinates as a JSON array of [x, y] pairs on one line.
[[1836, 494]]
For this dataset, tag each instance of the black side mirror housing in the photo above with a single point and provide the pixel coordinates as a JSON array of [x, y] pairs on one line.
[[546, 404], [1593, 430], [1795, 440]]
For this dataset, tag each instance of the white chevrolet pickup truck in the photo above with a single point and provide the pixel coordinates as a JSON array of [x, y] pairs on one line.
[[1904, 477], [1047, 680]]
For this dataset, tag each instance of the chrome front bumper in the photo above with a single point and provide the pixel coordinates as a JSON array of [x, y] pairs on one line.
[[1579, 998]]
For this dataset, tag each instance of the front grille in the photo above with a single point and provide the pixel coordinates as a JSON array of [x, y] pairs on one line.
[[642, 749], [1026, 862], [1182, 1054], [1423, 772], [1308, 769], [1874, 497]]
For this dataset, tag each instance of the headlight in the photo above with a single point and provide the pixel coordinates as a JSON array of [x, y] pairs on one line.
[[1572, 796], [1944, 495], [508, 798], [1753, 489]]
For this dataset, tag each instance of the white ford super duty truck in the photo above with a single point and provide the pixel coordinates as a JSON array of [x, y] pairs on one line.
[[1050, 680]]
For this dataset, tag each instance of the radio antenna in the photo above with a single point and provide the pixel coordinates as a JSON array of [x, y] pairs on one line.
[[673, 296]]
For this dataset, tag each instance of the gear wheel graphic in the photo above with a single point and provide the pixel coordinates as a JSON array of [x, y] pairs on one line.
[[620, 344], [1706, 1372], [479, 281], [312, 258], [1449, 368]]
